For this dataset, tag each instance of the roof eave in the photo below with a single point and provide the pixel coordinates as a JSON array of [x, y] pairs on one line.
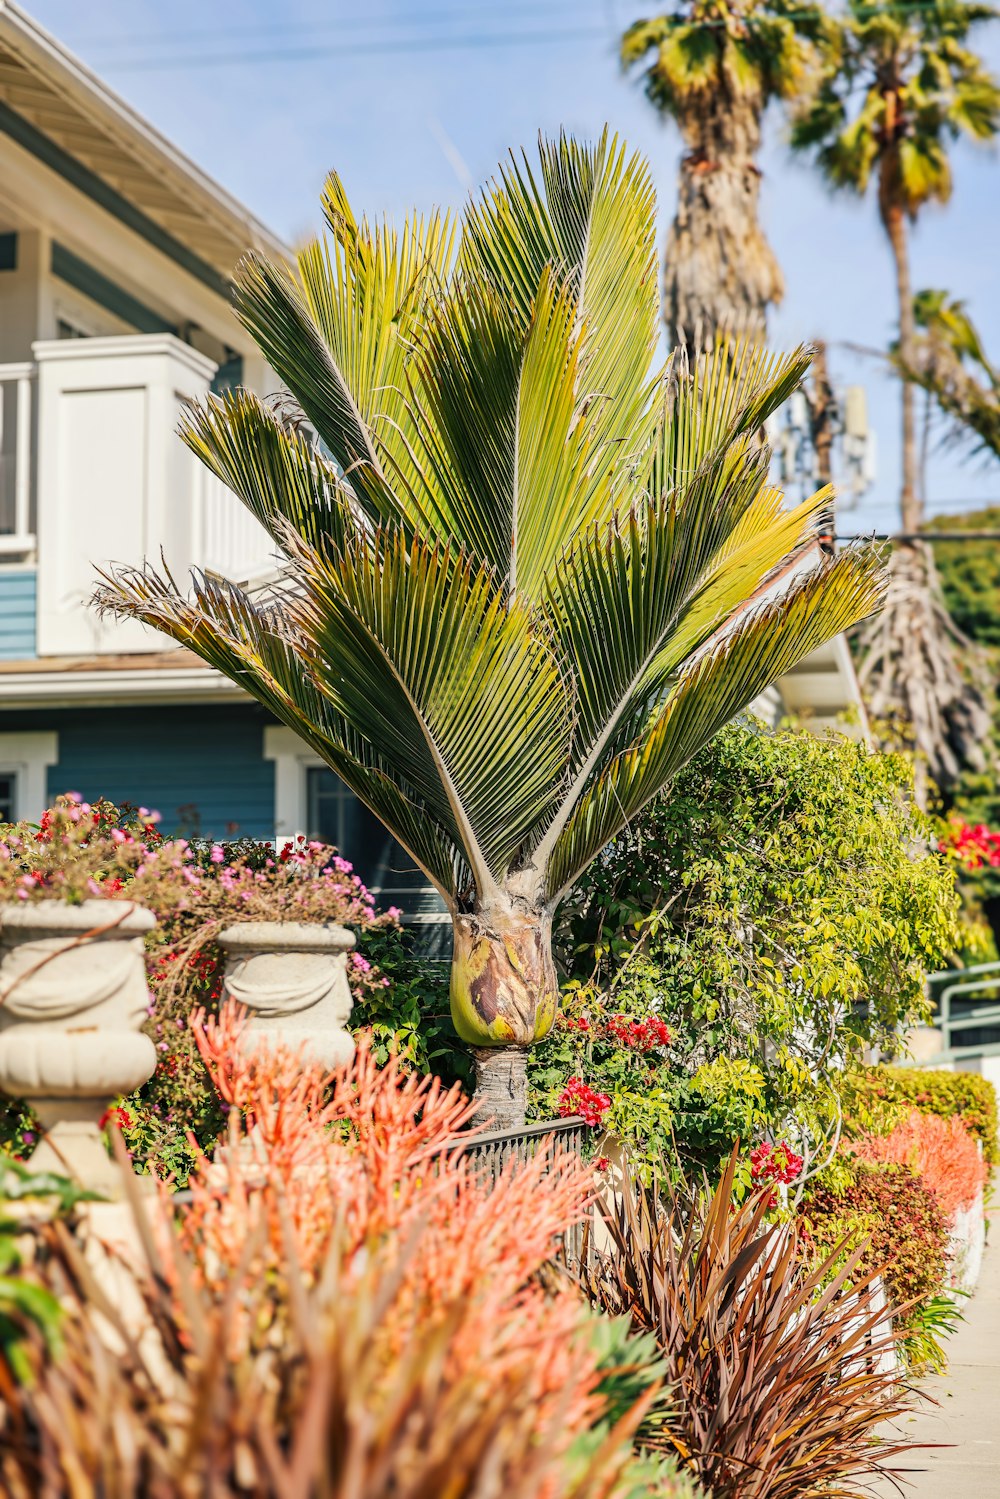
[[43, 54]]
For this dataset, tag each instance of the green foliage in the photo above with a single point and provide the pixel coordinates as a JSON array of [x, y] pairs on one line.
[[886, 1214], [768, 49], [970, 574], [778, 910], [25, 1303], [931, 1324], [965, 1095], [410, 1015]]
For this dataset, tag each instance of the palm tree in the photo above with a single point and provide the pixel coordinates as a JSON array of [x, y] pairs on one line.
[[949, 362], [899, 85], [527, 576], [714, 66]]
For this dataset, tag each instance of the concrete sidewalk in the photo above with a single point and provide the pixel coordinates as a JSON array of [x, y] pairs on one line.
[[967, 1415]]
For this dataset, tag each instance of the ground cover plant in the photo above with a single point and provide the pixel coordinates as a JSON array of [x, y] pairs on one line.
[[774, 1366], [527, 573], [344, 1309]]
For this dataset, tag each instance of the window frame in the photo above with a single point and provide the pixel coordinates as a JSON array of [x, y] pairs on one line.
[[28, 756]]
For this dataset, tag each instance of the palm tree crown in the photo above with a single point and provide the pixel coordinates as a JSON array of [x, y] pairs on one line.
[[899, 84], [715, 66], [527, 574]]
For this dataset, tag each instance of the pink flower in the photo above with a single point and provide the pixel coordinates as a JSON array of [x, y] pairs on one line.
[[217, 855]]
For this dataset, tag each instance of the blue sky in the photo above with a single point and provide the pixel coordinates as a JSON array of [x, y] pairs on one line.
[[459, 82]]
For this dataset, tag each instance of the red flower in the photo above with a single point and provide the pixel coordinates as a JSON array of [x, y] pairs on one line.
[[120, 1116], [639, 1035], [602, 1163], [777, 1163], [580, 1098]]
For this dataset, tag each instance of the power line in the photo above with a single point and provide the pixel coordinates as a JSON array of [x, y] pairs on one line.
[[472, 42], [322, 28]]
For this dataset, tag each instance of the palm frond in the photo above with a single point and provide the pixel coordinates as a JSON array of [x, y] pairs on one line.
[[713, 690], [591, 217], [279, 474], [423, 652], [261, 650]]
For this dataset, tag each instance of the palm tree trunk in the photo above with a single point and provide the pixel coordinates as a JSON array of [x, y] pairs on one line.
[[504, 994], [720, 273], [910, 507]]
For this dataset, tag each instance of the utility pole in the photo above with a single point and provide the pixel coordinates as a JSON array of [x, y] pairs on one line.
[[823, 423]]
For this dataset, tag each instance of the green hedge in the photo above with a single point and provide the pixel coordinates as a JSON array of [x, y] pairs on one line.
[[966, 1094]]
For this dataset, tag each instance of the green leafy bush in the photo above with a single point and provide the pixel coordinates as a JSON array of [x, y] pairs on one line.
[[970, 574], [778, 911], [885, 1211], [967, 1095]]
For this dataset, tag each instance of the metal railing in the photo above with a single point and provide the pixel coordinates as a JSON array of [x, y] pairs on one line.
[[967, 1010], [16, 531], [492, 1152]]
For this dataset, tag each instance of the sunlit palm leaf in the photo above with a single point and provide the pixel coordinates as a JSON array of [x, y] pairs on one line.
[[592, 217], [278, 474], [503, 436], [258, 650], [716, 688]]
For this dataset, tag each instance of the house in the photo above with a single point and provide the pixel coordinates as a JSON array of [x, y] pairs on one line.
[[115, 258]]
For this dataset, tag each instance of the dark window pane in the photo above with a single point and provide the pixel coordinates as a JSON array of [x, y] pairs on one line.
[[336, 816], [8, 797]]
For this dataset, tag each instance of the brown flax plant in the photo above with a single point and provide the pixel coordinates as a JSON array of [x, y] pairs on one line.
[[778, 1372]]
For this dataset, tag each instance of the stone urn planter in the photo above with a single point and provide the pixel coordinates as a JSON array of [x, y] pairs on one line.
[[73, 999], [292, 978]]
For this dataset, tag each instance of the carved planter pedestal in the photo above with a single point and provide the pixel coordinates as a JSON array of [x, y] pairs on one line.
[[73, 999], [292, 978]]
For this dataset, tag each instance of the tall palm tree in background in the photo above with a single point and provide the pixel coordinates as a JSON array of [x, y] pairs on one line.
[[899, 84], [714, 66], [527, 575], [948, 361]]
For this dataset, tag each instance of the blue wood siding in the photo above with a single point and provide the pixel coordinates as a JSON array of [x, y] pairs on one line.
[[200, 767], [17, 614]]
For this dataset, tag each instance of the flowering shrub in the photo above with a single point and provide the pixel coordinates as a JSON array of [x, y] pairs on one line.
[[941, 1151], [776, 913], [881, 1096], [974, 847], [888, 1211], [775, 1163], [195, 890], [579, 1098], [80, 852]]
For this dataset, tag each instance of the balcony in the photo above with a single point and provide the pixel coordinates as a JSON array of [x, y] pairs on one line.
[[92, 471]]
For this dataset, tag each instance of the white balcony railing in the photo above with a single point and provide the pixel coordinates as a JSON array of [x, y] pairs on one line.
[[16, 495], [92, 472]]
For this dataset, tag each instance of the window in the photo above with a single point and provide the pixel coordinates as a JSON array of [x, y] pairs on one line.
[[334, 815], [25, 760], [309, 798]]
